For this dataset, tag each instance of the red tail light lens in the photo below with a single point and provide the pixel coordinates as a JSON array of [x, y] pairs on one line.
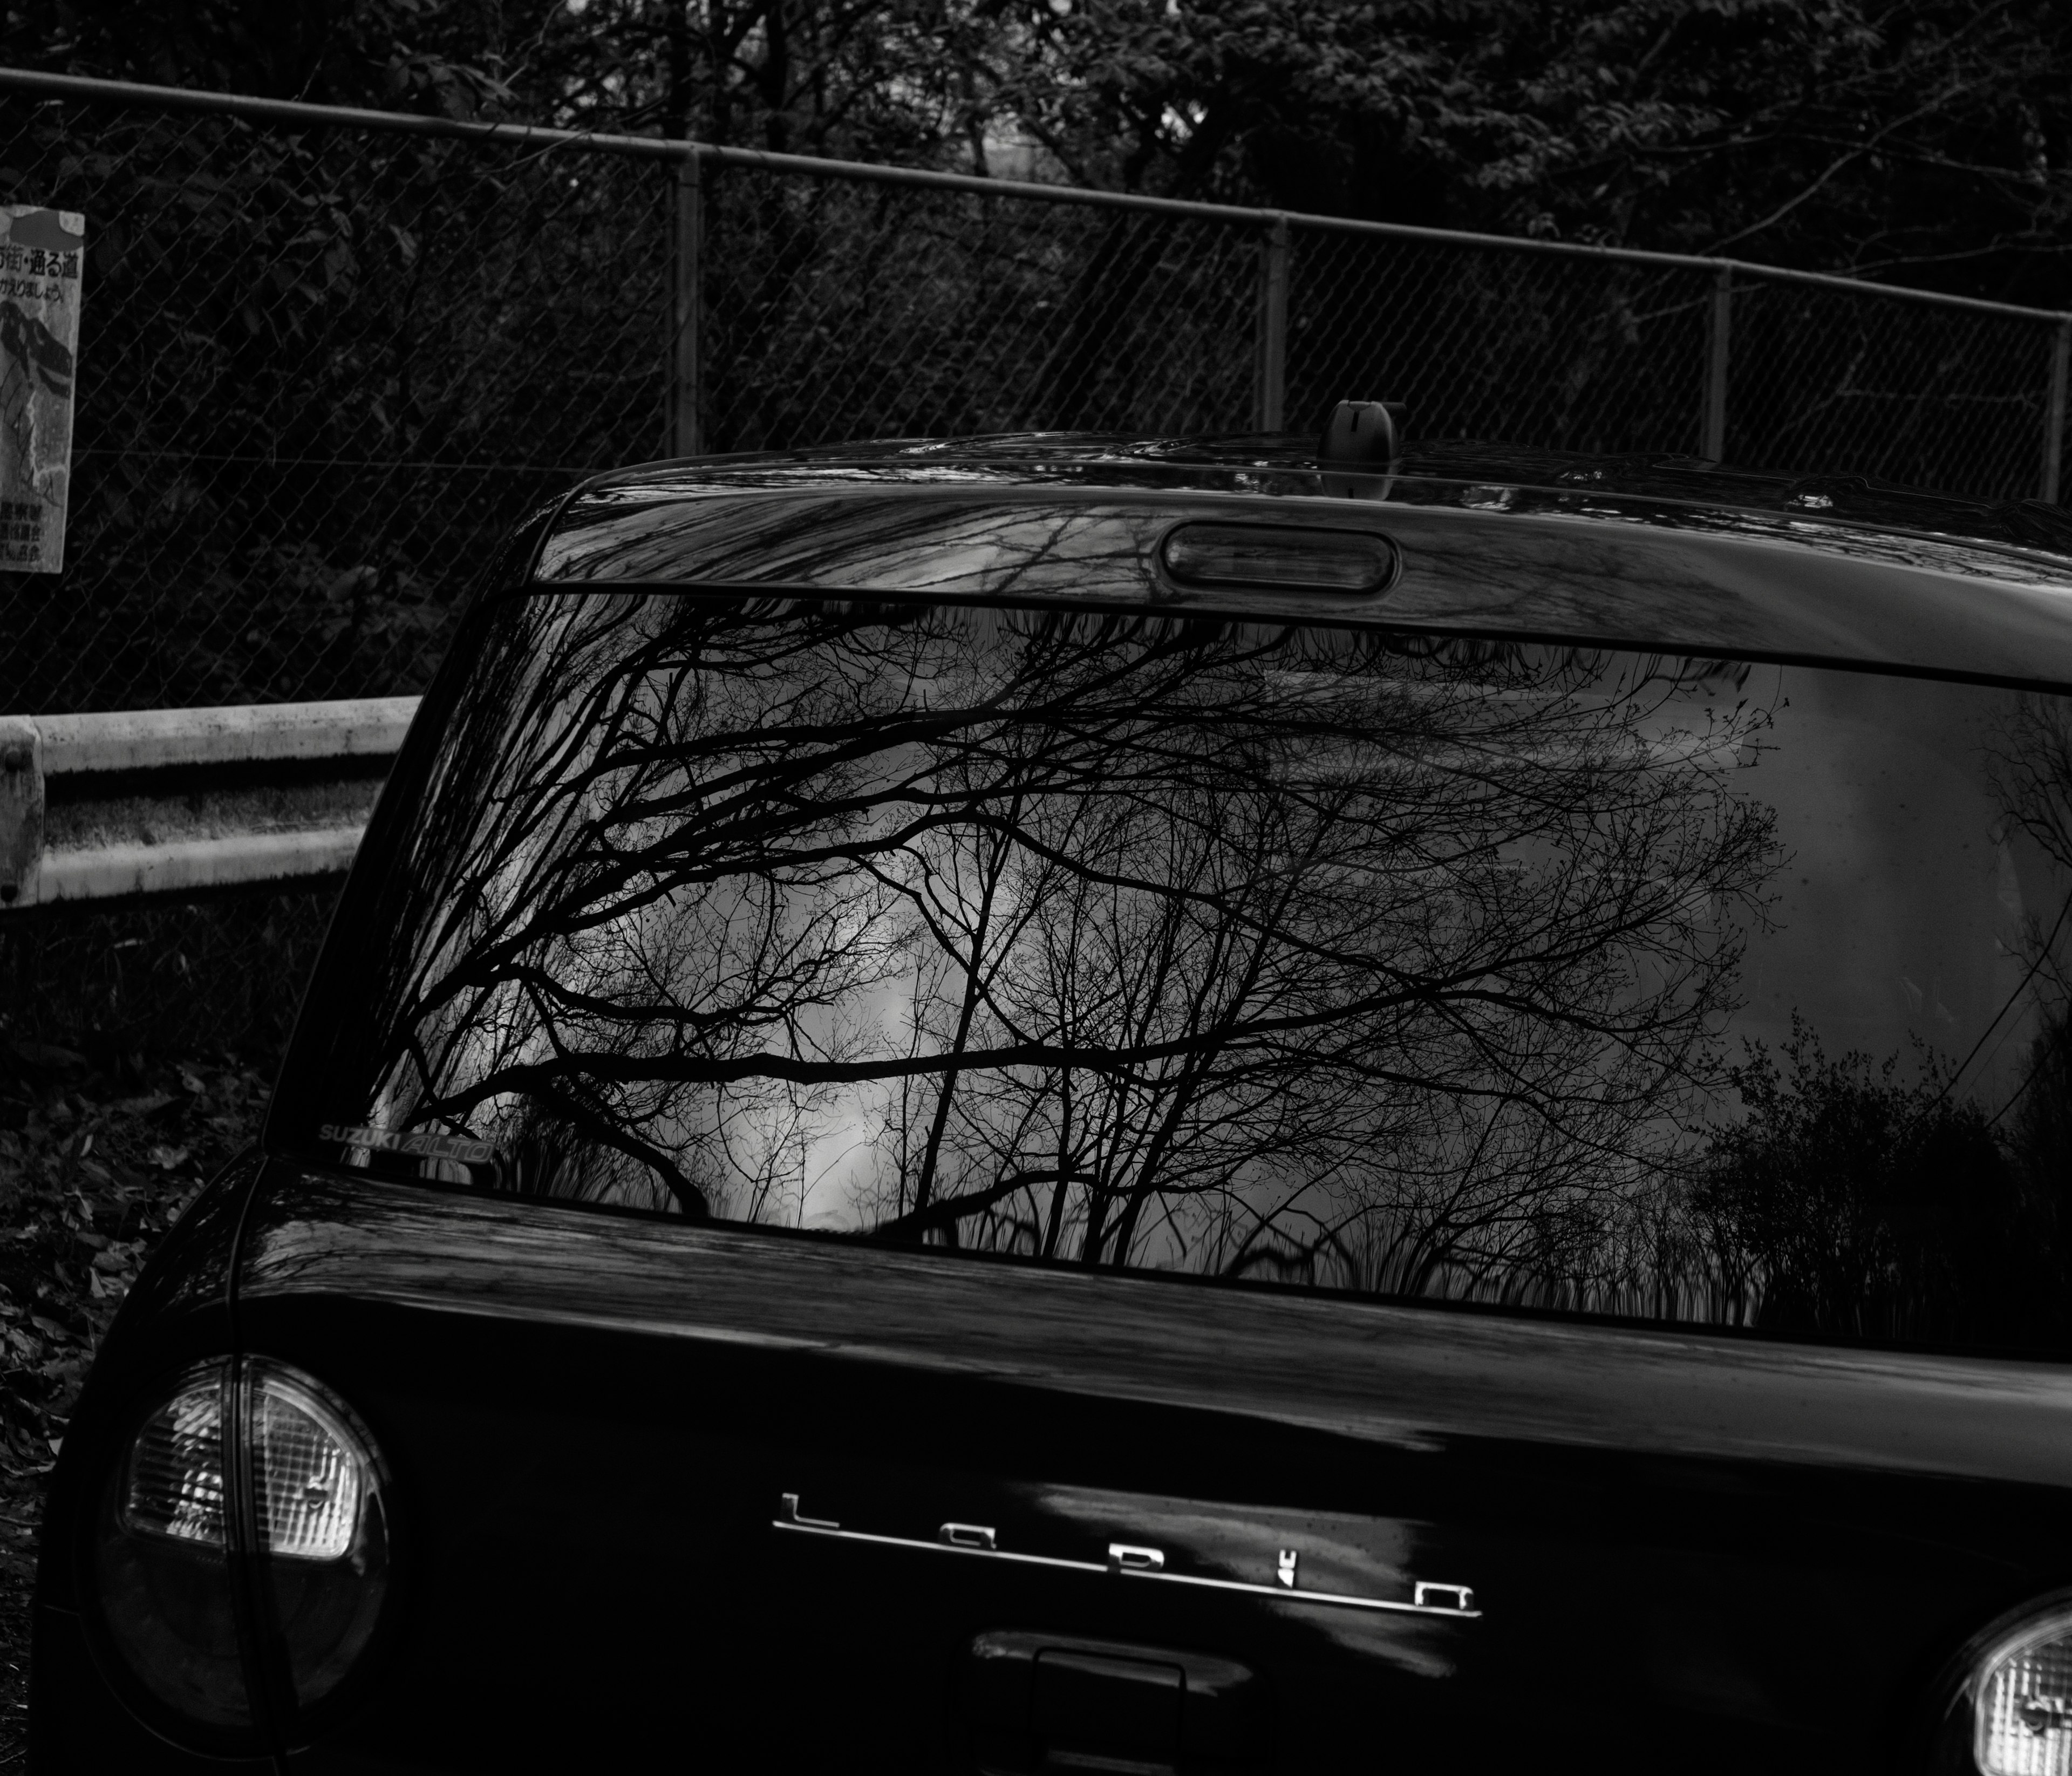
[[314, 1516]]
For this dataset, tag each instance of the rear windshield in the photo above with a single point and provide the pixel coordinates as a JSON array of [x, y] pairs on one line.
[[1690, 989]]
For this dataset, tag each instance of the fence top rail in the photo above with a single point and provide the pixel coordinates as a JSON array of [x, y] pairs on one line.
[[294, 113]]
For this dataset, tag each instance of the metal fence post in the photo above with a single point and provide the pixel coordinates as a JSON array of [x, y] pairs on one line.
[[686, 240], [1719, 327], [1269, 398], [2054, 410]]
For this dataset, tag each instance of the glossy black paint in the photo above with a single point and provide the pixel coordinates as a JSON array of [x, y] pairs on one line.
[[1754, 1550], [1434, 470], [1936, 586], [1713, 1551]]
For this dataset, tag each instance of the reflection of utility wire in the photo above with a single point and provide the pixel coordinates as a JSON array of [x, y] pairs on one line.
[[2028, 1079], [2021, 986], [1993, 1055]]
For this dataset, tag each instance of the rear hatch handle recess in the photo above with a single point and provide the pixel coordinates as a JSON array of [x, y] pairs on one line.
[[1129, 1561]]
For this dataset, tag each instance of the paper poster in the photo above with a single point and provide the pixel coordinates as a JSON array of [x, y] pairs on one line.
[[41, 256]]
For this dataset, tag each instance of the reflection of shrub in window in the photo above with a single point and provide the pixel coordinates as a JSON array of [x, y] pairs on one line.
[[1853, 1203]]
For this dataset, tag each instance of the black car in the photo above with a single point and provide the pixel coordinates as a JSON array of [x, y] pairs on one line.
[[1083, 1104]]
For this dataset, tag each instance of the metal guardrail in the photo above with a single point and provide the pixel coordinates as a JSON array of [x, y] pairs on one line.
[[135, 806]]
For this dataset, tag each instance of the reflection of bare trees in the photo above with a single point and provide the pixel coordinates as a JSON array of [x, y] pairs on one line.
[[1125, 940]]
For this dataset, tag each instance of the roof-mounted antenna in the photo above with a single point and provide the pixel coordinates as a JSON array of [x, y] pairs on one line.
[[1368, 433], [1366, 436]]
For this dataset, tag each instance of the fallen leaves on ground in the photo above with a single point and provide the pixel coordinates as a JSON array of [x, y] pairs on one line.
[[95, 1166]]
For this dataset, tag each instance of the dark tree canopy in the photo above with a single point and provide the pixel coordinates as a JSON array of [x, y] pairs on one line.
[[1923, 141]]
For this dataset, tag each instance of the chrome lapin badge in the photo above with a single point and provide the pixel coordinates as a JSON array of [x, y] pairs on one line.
[[1131, 1561]]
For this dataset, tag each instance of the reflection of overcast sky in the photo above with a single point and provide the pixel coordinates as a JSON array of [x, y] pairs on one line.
[[849, 1161], [1897, 913]]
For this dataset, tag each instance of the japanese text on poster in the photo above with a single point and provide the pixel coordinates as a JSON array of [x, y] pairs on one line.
[[41, 256]]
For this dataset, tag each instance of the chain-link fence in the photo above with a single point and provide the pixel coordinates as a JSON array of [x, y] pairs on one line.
[[834, 310], [328, 357], [324, 370]]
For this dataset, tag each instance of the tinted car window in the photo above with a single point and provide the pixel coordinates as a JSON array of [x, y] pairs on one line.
[[1695, 989]]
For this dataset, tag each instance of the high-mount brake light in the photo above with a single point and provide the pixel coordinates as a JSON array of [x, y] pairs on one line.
[[1282, 557], [167, 1576]]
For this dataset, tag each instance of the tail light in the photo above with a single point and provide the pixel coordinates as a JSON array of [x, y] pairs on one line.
[[241, 1553], [163, 1559], [2019, 1689], [322, 1522]]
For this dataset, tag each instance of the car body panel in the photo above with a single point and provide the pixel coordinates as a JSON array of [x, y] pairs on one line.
[[1392, 1374], [1737, 584], [1663, 1532]]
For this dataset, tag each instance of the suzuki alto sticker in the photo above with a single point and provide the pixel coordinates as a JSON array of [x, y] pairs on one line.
[[419, 1145]]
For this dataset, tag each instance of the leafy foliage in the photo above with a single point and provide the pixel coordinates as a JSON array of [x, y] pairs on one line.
[[1926, 139], [1881, 136]]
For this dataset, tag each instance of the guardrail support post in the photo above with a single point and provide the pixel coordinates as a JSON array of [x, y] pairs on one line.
[[21, 809], [1719, 327], [1269, 398], [2053, 411], [686, 240]]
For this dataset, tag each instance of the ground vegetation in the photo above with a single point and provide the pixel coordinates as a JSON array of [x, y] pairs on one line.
[[97, 1160]]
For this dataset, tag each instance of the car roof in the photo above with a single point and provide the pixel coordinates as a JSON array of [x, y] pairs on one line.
[[1840, 568], [1037, 458]]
